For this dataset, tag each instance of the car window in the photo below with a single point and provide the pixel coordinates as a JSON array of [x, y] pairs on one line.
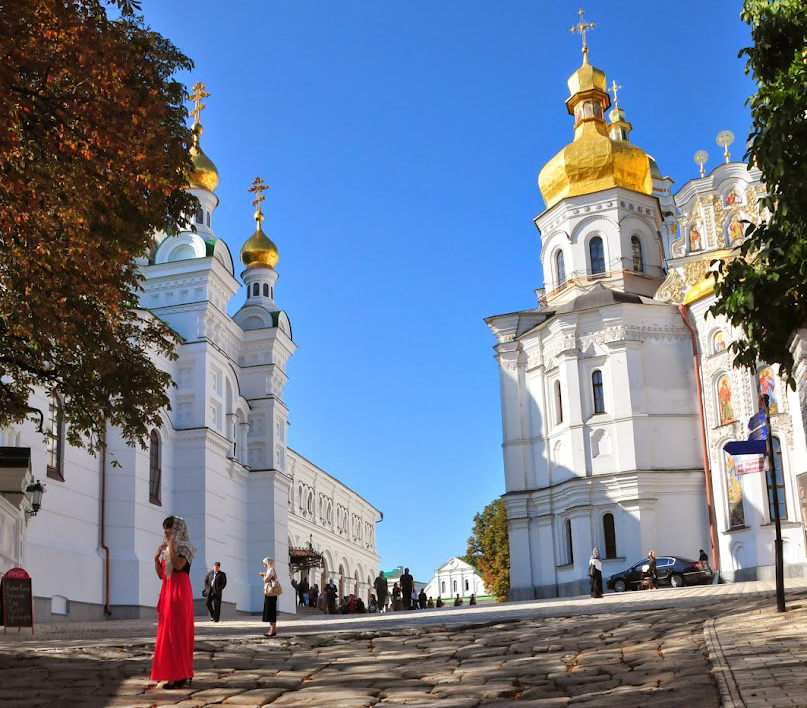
[[661, 562], [638, 566]]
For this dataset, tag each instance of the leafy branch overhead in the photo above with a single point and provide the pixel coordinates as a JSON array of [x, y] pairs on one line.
[[93, 154], [763, 292]]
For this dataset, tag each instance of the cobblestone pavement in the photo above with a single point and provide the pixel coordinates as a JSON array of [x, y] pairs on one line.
[[630, 650]]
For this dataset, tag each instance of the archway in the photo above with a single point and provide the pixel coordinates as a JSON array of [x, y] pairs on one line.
[[341, 581], [356, 583]]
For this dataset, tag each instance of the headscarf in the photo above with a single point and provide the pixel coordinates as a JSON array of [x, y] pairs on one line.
[[269, 562], [182, 544], [595, 554]]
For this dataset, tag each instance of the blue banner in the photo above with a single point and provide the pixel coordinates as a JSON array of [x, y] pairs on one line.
[[760, 433], [746, 447]]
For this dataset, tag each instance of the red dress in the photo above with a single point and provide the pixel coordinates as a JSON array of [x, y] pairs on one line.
[[173, 650]]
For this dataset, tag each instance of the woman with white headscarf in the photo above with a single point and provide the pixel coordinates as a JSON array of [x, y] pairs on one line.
[[269, 601], [173, 650], [595, 573]]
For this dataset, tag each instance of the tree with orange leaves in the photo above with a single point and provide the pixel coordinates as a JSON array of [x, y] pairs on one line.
[[93, 158]]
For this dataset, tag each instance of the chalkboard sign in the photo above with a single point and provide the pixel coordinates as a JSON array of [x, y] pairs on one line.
[[18, 600]]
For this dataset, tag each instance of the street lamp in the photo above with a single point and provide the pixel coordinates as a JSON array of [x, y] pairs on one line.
[[35, 489]]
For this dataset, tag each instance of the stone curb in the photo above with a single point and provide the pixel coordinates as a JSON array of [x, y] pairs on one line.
[[729, 693]]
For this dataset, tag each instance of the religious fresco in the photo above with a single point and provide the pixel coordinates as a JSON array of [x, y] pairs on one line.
[[733, 197], [724, 400], [718, 342], [766, 383], [695, 240], [734, 494], [736, 229]]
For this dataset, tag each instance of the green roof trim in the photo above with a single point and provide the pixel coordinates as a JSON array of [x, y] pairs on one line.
[[210, 246]]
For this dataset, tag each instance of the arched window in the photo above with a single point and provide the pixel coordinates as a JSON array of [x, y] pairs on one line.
[[443, 586], [467, 587], [266, 290], [208, 218], [567, 526], [55, 439], [596, 388], [780, 482], [455, 586], [560, 268], [597, 253], [155, 469], [200, 216], [558, 403], [636, 250], [256, 289], [609, 533]]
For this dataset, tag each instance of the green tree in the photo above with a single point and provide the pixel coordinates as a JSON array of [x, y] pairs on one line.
[[763, 291], [93, 158], [489, 549]]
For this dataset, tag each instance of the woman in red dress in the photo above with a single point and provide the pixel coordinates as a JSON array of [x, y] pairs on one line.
[[173, 650]]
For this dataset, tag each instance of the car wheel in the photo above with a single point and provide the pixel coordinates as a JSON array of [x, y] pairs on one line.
[[619, 585], [676, 580]]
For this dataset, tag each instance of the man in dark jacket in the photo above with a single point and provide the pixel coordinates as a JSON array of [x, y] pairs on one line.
[[381, 590], [407, 586], [422, 599], [215, 581]]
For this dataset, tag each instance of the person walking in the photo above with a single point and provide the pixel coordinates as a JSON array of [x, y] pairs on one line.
[[304, 587], [313, 596], [651, 570], [397, 603], [269, 576], [381, 586], [407, 586], [173, 649], [215, 581], [595, 573], [422, 599], [331, 592]]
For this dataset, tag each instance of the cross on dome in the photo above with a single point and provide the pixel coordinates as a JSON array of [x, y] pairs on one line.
[[614, 88], [197, 96], [258, 188], [581, 28]]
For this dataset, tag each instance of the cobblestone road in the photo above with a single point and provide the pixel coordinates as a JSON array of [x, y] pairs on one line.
[[631, 650]]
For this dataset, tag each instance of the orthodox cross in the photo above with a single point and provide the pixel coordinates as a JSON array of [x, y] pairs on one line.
[[614, 88], [197, 96], [258, 188], [582, 27]]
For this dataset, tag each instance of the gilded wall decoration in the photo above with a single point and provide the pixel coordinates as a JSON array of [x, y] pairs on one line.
[[672, 289], [695, 271]]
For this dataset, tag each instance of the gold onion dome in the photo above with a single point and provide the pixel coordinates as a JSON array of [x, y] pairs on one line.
[[593, 161], [259, 250], [204, 174]]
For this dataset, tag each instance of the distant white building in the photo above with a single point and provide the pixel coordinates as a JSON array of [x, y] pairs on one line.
[[454, 577]]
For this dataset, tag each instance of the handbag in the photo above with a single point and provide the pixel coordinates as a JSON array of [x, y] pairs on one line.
[[271, 587]]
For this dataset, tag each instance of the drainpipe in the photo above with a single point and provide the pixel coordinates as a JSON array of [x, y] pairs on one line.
[[102, 523], [704, 449]]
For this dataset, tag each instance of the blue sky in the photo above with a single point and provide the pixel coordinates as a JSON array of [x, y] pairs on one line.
[[402, 141]]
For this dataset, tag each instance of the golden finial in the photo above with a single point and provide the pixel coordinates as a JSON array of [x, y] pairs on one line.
[[701, 156], [724, 139], [197, 96], [582, 27], [258, 188], [614, 88]]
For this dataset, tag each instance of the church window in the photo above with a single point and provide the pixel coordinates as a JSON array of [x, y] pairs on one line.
[[597, 253], [256, 289], [780, 482], [596, 387], [636, 250], [467, 587], [455, 586], [609, 533], [155, 469], [272, 293], [208, 218], [265, 290], [443, 586], [560, 268], [55, 439], [567, 527], [558, 404], [200, 216]]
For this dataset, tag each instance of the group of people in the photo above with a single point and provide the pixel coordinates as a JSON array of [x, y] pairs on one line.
[[404, 596]]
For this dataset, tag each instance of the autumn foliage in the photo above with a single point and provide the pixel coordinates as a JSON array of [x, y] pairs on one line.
[[489, 549], [93, 153]]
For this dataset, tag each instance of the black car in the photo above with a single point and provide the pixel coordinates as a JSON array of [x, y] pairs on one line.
[[670, 570]]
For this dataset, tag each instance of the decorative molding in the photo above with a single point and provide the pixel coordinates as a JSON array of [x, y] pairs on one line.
[[672, 289]]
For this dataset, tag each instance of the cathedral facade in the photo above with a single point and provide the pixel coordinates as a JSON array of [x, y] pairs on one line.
[[618, 391], [221, 458]]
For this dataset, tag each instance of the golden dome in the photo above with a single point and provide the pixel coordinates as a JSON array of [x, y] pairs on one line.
[[204, 174], [259, 250], [592, 161]]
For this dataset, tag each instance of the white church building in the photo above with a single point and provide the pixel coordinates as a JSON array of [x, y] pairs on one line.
[[617, 394], [455, 577], [220, 460]]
